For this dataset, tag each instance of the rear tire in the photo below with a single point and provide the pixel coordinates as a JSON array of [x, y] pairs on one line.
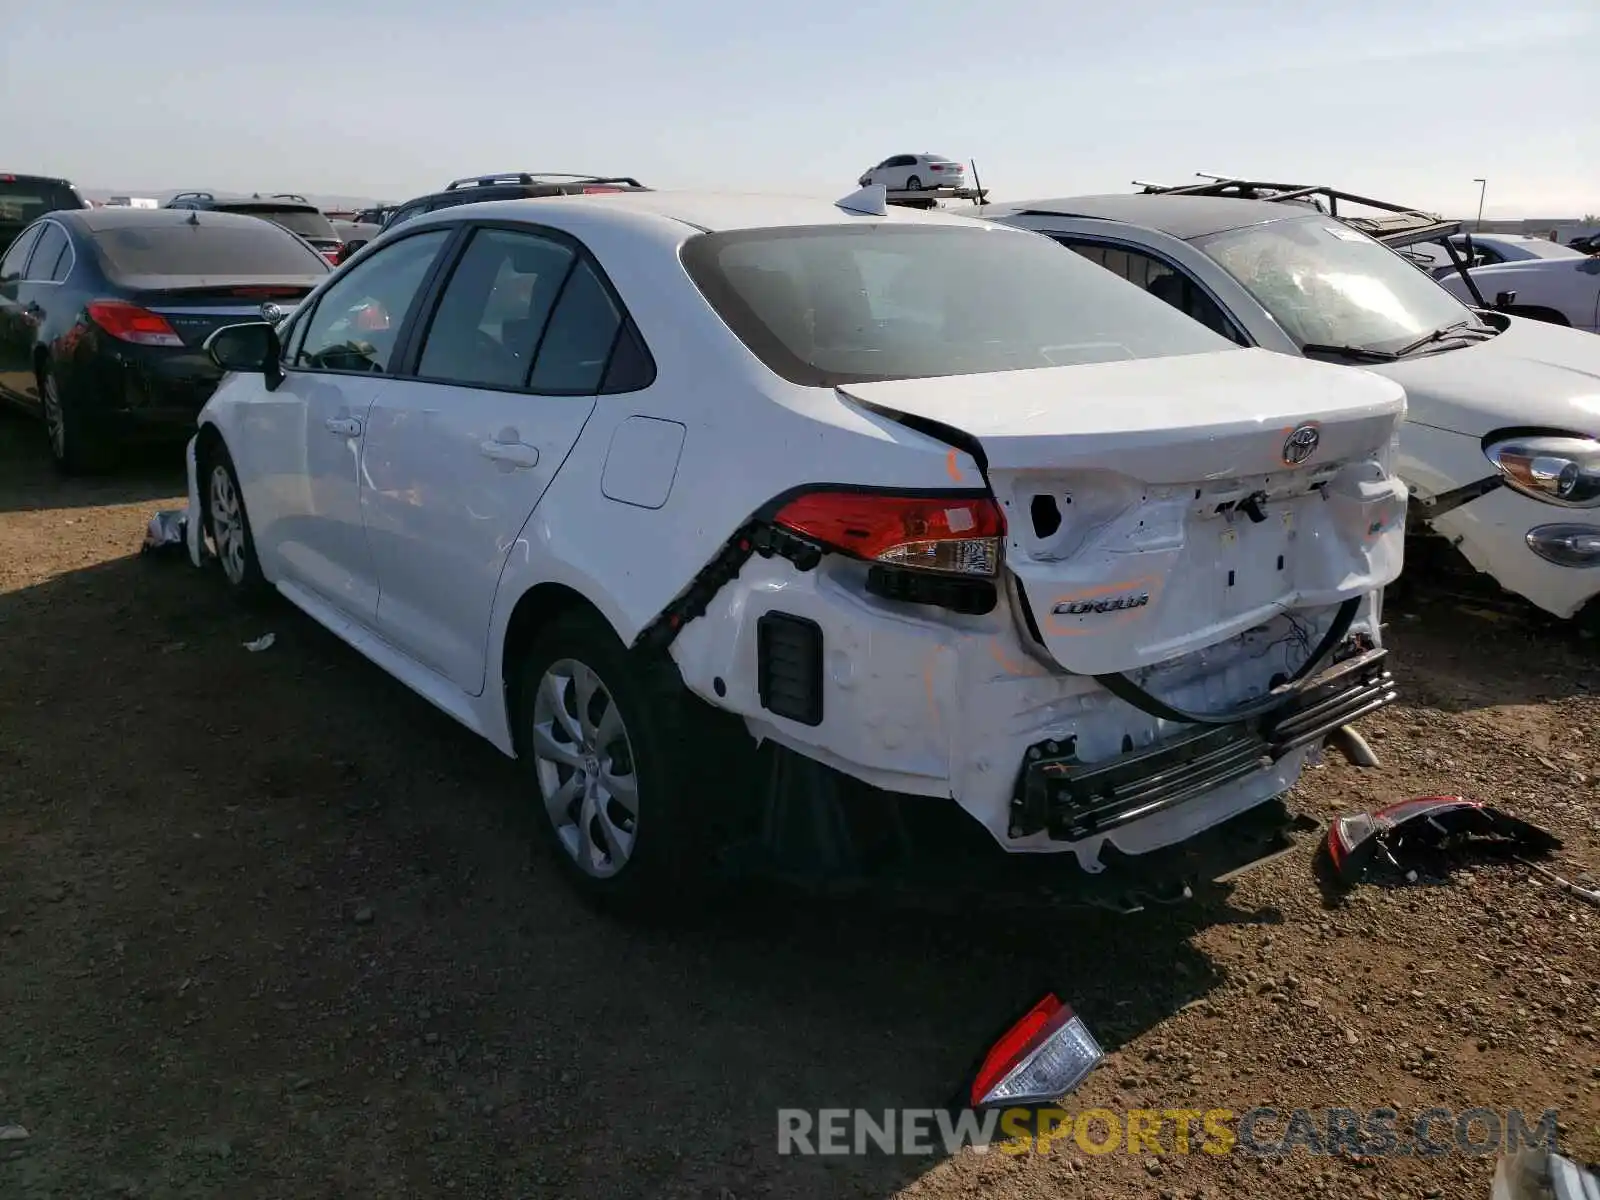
[[228, 524], [76, 447], [615, 751]]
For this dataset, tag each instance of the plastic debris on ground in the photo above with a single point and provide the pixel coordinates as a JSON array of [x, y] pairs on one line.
[[1544, 1175], [264, 642], [167, 532], [1398, 834]]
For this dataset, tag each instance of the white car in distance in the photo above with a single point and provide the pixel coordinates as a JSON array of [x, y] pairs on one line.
[[915, 173], [962, 531]]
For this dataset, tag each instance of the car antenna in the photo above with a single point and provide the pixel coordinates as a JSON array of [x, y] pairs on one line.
[[871, 201], [194, 217]]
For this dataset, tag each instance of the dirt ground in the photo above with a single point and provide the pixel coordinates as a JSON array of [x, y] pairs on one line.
[[270, 927]]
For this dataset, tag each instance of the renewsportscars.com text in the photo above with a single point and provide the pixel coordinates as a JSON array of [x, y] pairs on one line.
[[1378, 1132]]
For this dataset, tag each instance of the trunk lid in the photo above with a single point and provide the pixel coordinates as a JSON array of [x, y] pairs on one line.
[[1158, 506], [198, 310]]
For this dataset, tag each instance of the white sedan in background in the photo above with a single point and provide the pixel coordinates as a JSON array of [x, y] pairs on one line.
[[998, 559], [915, 173]]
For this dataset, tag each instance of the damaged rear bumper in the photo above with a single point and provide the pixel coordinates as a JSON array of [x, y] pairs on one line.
[[1074, 800]]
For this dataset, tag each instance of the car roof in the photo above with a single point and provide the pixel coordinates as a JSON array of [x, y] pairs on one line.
[[708, 212], [20, 177], [96, 220], [1182, 216]]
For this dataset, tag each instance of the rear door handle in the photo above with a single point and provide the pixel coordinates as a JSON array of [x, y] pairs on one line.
[[343, 426], [513, 454]]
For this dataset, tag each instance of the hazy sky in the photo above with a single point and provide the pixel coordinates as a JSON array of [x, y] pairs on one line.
[[391, 99]]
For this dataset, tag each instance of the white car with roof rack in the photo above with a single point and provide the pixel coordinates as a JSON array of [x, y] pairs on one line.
[[1501, 445], [780, 535]]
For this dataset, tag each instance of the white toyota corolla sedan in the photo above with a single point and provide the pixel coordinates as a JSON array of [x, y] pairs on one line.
[[819, 536]]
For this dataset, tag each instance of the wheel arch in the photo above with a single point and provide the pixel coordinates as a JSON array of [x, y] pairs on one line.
[[1538, 312], [538, 605]]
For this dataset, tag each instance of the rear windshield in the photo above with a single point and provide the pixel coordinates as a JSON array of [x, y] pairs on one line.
[[308, 223], [835, 304], [237, 248], [22, 200]]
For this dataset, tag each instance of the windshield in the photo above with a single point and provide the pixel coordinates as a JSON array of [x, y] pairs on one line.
[[826, 305], [22, 200], [240, 249], [1328, 284], [307, 222]]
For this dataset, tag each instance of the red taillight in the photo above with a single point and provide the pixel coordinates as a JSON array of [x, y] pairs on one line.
[[1039, 1060], [130, 323], [333, 256], [958, 533]]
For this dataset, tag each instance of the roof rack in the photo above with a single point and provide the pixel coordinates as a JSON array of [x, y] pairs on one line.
[[536, 177], [192, 196], [1398, 226]]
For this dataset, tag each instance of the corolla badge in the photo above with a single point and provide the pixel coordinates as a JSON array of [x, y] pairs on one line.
[[1077, 608], [1301, 444]]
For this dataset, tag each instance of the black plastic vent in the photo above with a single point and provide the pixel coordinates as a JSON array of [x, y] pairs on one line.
[[789, 666]]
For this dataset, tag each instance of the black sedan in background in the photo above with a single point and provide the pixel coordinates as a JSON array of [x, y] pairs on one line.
[[103, 313]]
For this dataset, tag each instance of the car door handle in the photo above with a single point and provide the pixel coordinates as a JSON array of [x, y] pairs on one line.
[[343, 426], [513, 454]]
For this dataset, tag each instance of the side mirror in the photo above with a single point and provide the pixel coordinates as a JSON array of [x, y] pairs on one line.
[[1504, 299], [251, 347]]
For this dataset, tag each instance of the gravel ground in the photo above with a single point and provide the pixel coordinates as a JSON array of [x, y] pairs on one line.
[[269, 926]]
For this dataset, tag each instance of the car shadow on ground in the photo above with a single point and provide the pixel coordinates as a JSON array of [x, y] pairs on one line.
[[273, 900], [32, 483]]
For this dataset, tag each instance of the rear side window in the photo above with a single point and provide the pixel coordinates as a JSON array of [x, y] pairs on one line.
[[831, 304], [308, 223], [493, 312], [51, 250], [238, 248], [577, 345]]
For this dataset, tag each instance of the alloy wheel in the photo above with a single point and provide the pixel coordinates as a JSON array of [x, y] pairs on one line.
[[54, 418], [585, 767], [227, 524]]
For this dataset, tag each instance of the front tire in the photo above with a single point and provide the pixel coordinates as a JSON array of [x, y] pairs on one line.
[[76, 447], [610, 742], [914, 183], [228, 524]]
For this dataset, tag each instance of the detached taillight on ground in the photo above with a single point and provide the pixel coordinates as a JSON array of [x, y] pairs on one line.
[[1041, 1059], [130, 323], [956, 534]]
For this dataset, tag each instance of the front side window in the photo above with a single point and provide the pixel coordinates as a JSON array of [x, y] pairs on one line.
[[832, 304], [17, 255], [358, 319], [1330, 285]]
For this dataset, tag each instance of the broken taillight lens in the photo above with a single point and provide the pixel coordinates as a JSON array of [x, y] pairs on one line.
[[957, 533], [1040, 1059]]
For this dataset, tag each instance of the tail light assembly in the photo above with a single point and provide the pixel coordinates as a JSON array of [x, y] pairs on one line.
[[1039, 1060], [940, 549], [130, 323]]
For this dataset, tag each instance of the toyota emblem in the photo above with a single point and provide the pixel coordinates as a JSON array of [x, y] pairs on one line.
[[1300, 445]]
